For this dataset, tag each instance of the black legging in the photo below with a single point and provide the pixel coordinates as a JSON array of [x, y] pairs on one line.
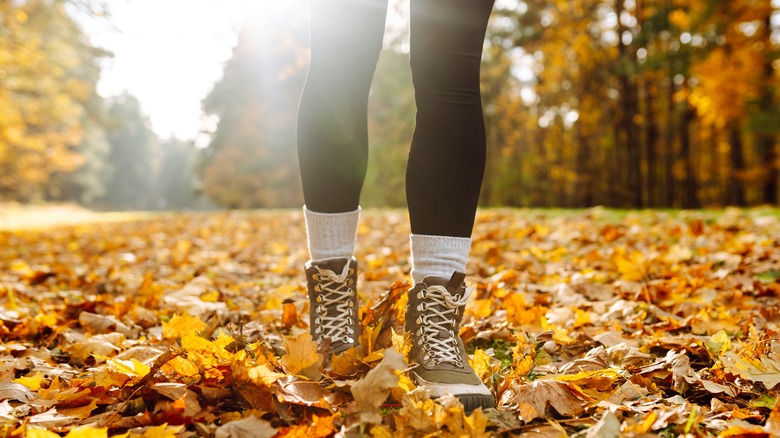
[[447, 156]]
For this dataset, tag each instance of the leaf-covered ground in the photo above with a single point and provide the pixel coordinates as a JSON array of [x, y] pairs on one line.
[[583, 323]]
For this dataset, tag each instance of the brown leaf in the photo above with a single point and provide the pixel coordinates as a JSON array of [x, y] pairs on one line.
[[14, 391], [764, 369], [95, 323], [249, 427], [533, 399], [372, 390], [302, 358]]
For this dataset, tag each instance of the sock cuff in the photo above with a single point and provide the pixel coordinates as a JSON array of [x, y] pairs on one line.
[[427, 242], [438, 255], [330, 217], [331, 235]]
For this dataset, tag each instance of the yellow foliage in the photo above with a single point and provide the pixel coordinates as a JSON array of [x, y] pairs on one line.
[[34, 382], [180, 326], [301, 357]]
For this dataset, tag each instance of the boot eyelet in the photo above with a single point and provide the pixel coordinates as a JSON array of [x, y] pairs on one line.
[[317, 288], [422, 307], [318, 299]]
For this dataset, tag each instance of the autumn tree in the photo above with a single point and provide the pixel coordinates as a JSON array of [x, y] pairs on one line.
[[48, 73], [134, 157], [251, 160]]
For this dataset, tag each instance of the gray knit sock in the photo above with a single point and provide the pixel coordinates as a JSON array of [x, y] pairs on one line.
[[331, 235], [438, 255]]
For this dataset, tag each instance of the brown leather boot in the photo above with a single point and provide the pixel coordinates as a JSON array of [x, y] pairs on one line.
[[333, 310], [433, 318]]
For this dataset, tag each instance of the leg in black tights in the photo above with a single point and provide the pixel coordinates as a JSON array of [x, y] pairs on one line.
[[447, 157], [346, 38]]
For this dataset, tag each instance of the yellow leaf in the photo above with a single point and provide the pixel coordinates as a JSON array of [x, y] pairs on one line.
[[345, 364], [401, 343], [480, 308], [380, 432], [223, 340], [481, 364], [263, 375], [477, 423], [161, 431], [46, 319], [210, 297], [718, 343], [34, 382], [368, 337], [632, 268], [181, 326], [34, 432], [598, 379], [581, 318], [109, 379], [130, 367], [560, 335], [82, 412], [301, 358], [183, 366]]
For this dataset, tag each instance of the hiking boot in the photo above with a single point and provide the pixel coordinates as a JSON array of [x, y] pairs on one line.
[[333, 310], [433, 318]]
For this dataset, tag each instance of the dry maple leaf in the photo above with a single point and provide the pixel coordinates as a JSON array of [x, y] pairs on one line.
[[372, 390], [249, 427], [764, 369], [302, 358], [533, 399]]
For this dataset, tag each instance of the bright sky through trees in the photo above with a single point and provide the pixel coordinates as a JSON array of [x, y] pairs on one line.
[[169, 53]]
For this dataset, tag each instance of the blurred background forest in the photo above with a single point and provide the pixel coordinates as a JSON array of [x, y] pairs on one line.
[[622, 103]]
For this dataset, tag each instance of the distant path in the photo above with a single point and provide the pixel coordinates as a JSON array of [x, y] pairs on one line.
[[34, 217]]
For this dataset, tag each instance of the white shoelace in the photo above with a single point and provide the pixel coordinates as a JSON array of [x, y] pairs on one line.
[[335, 293], [441, 305]]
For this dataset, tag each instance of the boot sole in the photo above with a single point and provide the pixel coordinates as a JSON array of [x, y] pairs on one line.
[[473, 401]]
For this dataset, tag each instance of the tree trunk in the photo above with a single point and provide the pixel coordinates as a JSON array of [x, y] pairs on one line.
[[691, 197], [736, 191], [670, 198], [766, 138], [626, 120], [651, 138]]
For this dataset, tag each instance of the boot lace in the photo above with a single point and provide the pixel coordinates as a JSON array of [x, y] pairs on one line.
[[439, 314], [336, 293]]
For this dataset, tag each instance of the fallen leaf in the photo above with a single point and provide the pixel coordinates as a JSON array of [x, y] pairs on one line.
[[263, 375], [764, 369], [15, 391], [81, 411], [182, 325], [372, 390], [95, 323], [249, 427], [533, 399], [32, 382], [301, 358]]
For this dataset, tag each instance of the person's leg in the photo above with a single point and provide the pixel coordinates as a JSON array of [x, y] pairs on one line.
[[332, 135], [332, 129], [443, 180], [447, 157]]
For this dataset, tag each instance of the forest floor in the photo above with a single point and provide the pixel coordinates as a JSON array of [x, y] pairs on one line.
[[582, 322]]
